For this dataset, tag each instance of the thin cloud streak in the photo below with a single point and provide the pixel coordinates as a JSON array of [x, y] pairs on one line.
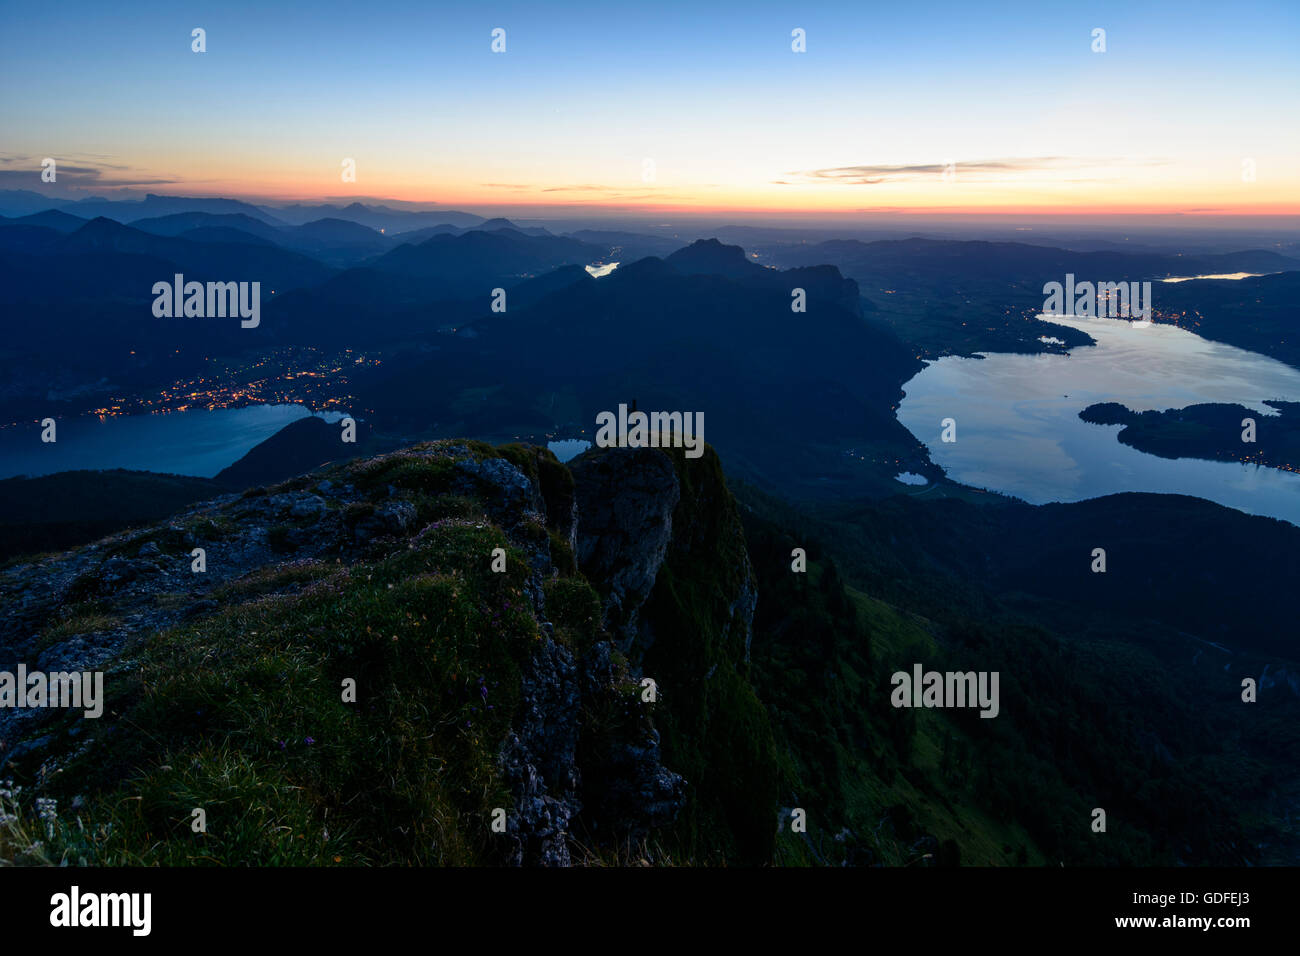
[[870, 175]]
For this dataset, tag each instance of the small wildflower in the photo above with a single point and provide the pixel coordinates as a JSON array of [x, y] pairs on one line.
[[309, 740], [47, 808]]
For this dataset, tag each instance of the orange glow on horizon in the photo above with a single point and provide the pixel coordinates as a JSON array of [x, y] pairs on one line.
[[794, 201]]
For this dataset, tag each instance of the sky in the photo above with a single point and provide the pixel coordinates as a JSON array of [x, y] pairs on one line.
[[894, 108]]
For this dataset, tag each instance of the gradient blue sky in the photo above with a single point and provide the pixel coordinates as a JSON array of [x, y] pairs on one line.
[[712, 93]]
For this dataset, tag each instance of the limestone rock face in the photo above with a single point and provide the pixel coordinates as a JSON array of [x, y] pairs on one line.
[[506, 490], [627, 787], [625, 499], [539, 761]]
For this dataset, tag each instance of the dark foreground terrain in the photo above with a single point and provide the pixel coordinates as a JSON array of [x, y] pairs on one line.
[[639, 675]]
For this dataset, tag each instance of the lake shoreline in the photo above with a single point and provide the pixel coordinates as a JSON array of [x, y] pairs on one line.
[[1017, 430], [191, 443]]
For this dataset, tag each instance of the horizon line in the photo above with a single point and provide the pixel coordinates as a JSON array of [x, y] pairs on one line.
[[1254, 211]]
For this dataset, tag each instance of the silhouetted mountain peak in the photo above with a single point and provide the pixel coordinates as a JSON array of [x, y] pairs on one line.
[[99, 230], [335, 228], [498, 224], [176, 224], [53, 219], [648, 268], [712, 257]]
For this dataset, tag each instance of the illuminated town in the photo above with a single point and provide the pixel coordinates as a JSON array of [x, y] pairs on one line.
[[302, 376]]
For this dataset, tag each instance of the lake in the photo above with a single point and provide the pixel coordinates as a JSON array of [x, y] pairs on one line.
[[1018, 428], [193, 442], [566, 449]]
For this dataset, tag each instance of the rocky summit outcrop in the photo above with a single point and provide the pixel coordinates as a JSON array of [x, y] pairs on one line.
[[478, 604], [626, 497]]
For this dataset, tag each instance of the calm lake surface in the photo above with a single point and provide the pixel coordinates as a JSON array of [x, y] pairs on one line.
[[567, 449], [193, 442], [1018, 430]]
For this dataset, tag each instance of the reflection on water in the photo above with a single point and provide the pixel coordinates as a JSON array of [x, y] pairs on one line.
[[1221, 275], [1018, 430], [195, 442]]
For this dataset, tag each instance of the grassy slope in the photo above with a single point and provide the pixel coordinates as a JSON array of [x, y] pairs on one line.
[[242, 714], [1098, 709]]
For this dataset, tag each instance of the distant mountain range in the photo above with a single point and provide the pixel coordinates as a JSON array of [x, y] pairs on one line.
[[703, 326], [15, 202], [103, 259], [376, 217], [896, 261]]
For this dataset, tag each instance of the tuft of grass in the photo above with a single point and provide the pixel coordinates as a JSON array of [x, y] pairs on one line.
[[431, 508], [85, 618], [574, 609], [426, 474], [562, 555], [273, 579]]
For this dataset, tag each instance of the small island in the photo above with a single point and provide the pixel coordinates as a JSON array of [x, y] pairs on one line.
[[1212, 431]]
